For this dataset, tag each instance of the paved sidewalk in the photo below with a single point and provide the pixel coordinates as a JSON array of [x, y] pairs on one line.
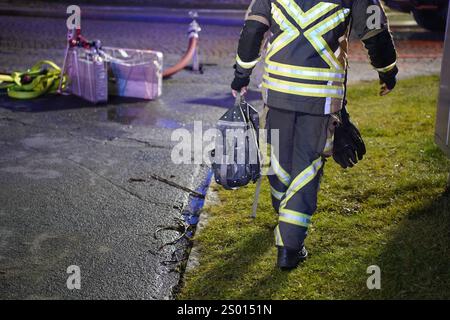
[[95, 186]]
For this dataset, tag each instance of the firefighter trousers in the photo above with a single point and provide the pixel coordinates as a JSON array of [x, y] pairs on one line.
[[299, 145]]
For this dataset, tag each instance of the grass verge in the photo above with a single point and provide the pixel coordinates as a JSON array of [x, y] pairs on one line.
[[392, 210]]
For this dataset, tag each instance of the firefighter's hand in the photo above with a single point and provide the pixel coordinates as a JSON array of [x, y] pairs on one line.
[[349, 146], [240, 84], [384, 89], [243, 92], [388, 80]]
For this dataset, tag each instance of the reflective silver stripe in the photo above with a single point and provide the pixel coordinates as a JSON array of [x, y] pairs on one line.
[[388, 68], [316, 37], [327, 108], [277, 194], [278, 239], [295, 213], [290, 33], [305, 74], [306, 18], [295, 219], [282, 175]]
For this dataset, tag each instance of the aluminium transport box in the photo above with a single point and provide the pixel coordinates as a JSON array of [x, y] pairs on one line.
[[87, 75], [134, 73]]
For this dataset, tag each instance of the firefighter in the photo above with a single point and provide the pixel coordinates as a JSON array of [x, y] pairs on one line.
[[304, 86]]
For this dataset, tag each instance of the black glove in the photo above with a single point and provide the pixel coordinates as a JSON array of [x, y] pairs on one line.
[[349, 146], [241, 80], [239, 83], [389, 78]]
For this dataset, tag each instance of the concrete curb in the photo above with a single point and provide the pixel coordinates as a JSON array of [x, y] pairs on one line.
[[211, 199]]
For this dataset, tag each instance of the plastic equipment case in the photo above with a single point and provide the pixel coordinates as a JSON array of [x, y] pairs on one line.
[[134, 73]]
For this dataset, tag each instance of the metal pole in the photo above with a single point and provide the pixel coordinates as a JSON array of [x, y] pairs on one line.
[[448, 181], [70, 35], [196, 61], [256, 200], [194, 30], [442, 135]]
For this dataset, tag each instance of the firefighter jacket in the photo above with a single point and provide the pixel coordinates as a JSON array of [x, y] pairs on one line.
[[306, 59]]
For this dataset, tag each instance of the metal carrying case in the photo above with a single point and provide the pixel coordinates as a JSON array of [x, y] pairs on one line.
[[87, 74], [134, 73]]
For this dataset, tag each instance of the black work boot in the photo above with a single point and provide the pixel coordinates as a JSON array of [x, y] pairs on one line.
[[289, 259]]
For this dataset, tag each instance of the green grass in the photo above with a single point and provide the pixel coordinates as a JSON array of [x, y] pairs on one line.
[[391, 210]]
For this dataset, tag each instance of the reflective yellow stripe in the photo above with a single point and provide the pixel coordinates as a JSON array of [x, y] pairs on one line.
[[304, 19], [315, 37], [299, 218], [339, 73], [277, 194], [302, 180], [296, 213], [282, 175], [246, 65], [294, 217], [292, 221], [290, 33], [278, 240], [335, 73], [388, 68], [303, 89], [304, 73]]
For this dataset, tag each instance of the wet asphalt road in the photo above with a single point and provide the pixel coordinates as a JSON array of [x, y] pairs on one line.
[[65, 169], [94, 186]]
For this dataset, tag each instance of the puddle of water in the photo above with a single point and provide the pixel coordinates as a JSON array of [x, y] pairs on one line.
[[140, 115]]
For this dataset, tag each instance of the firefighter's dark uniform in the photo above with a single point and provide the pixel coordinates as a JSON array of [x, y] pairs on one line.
[[304, 87]]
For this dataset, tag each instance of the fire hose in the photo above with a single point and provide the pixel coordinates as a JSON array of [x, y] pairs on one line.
[[184, 61], [191, 53]]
